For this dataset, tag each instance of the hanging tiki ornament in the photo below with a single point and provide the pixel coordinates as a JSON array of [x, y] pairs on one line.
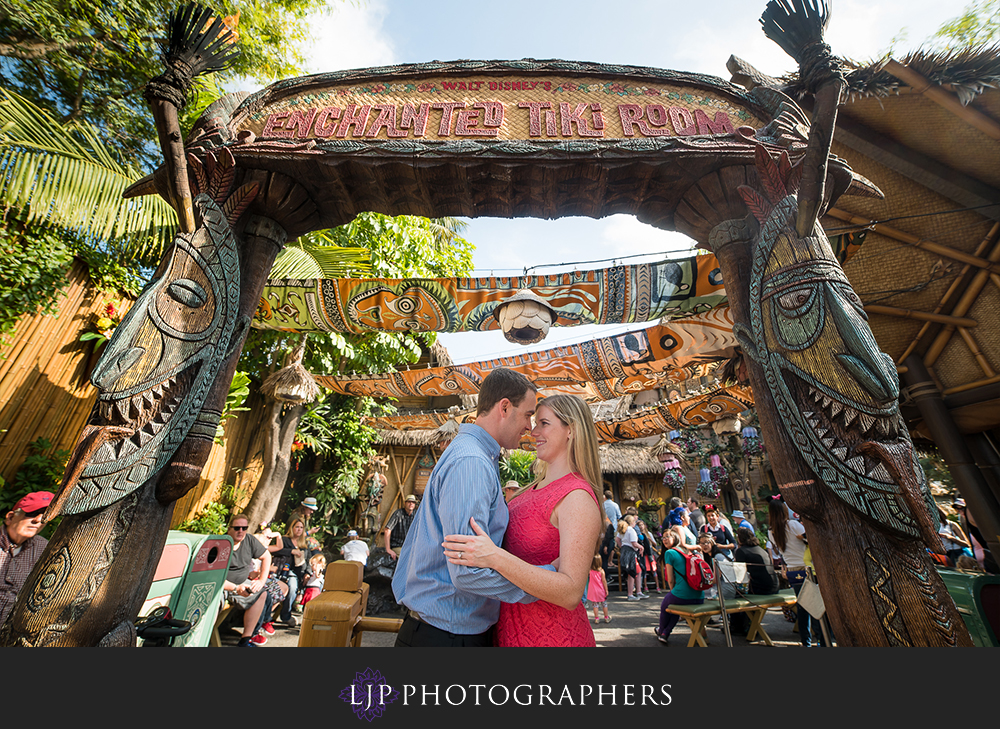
[[686, 440], [706, 487], [752, 444], [292, 383], [717, 472], [525, 317], [673, 476]]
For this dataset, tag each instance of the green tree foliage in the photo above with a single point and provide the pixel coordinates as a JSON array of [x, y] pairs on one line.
[[408, 246], [32, 273], [90, 60], [978, 25], [63, 174]]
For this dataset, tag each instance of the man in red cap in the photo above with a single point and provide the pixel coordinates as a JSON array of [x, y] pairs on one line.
[[20, 546]]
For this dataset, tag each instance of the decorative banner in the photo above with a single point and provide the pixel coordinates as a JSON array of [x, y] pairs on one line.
[[626, 360], [696, 410], [669, 380], [617, 295], [664, 417]]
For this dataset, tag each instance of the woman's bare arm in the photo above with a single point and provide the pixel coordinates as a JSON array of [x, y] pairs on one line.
[[577, 521]]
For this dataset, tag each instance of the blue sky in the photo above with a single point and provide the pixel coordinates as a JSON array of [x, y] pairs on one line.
[[691, 36]]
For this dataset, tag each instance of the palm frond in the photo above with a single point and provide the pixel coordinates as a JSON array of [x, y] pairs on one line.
[[65, 176], [312, 256]]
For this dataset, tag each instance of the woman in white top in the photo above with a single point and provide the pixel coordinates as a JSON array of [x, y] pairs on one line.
[[789, 539], [631, 553]]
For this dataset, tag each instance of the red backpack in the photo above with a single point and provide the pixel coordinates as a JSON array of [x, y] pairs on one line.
[[697, 572]]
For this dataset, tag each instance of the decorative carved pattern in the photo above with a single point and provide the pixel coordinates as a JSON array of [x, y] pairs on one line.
[[879, 580], [155, 373], [835, 390]]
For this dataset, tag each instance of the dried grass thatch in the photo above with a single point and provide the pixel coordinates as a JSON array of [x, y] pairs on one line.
[[292, 383], [408, 438], [440, 356], [448, 430], [664, 447], [967, 73], [629, 458]]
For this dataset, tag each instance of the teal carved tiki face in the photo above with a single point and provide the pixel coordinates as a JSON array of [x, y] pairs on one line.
[[835, 390], [157, 369]]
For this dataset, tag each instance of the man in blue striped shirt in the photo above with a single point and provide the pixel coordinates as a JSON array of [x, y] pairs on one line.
[[453, 605]]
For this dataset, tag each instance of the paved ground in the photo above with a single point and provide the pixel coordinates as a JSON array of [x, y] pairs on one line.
[[631, 626]]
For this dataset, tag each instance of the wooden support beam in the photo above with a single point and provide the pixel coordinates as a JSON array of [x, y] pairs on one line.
[[977, 353], [987, 125], [965, 303], [915, 241], [952, 289], [959, 321]]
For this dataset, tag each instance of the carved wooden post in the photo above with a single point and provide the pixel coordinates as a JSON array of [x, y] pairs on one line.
[[879, 586], [162, 380]]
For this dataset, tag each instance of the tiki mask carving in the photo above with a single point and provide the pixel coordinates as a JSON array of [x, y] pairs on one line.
[[155, 373], [810, 335]]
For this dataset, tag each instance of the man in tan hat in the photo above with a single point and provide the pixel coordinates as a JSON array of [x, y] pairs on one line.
[[398, 525], [21, 546]]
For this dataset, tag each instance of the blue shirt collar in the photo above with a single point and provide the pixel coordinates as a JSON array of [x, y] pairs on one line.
[[479, 433]]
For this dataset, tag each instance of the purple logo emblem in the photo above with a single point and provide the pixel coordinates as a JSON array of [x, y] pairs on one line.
[[369, 694]]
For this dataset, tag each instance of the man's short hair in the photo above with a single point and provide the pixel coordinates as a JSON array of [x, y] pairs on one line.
[[502, 383], [608, 494], [693, 500], [234, 517]]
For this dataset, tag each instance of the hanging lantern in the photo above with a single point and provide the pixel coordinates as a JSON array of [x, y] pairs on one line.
[[525, 317], [706, 487], [673, 476], [752, 444], [717, 473]]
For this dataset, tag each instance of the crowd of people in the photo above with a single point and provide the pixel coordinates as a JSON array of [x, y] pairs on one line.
[[484, 564]]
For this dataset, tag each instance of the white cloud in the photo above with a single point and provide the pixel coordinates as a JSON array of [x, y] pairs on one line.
[[624, 235], [347, 36]]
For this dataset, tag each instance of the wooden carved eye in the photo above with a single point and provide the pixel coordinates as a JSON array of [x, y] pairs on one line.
[[187, 292], [794, 299]]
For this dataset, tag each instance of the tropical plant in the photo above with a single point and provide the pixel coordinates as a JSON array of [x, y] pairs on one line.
[[978, 25], [517, 465], [65, 175], [90, 60], [239, 391], [213, 518]]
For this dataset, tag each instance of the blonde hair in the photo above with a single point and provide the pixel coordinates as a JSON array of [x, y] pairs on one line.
[[317, 559], [622, 526], [574, 413], [305, 535], [597, 564]]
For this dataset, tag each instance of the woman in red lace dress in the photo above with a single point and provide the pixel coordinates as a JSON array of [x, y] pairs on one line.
[[556, 520]]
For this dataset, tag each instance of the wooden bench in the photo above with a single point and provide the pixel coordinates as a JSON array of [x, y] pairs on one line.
[[754, 605]]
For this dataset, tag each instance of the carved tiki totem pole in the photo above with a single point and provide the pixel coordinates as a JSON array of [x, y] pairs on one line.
[[826, 395], [162, 382]]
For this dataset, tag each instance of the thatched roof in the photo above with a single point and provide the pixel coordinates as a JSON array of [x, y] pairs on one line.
[[925, 128], [629, 458], [408, 438]]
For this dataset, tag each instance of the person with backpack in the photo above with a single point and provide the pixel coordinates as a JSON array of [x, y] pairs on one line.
[[680, 568]]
